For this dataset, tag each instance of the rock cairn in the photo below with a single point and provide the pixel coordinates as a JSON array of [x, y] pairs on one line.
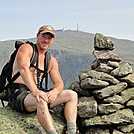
[[106, 92]]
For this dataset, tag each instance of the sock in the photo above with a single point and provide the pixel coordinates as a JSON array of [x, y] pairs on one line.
[[52, 132], [71, 128]]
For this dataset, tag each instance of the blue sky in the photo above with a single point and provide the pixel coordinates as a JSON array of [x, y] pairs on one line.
[[20, 19]]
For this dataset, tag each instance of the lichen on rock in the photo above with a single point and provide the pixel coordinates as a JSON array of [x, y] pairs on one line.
[[13, 122]]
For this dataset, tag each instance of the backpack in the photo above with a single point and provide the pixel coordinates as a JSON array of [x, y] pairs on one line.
[[6, 78]]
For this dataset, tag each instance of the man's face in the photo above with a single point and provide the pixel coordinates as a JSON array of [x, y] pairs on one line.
[[44, 40]]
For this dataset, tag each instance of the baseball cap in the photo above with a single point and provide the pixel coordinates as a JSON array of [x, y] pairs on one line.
[[46, 29]]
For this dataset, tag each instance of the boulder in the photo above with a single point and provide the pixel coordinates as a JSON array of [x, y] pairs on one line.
[[114, 99], [110, 90], [106, 55], [102, 76], [109, 108], [126, 128], [130, 104], [96, 130], [102, 42], [89, 83], [95, 64], [117, 132], [82, 75], [124, 69], [87, 107], [119, 117], [104, 68], [75, 86], [127, 94], [113, 64], [129, 79]]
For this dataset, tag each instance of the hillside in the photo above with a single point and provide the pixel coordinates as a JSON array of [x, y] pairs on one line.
[[73, 51]]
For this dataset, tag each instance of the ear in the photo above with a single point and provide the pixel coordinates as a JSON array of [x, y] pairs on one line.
[[37, 35], [53, 40]]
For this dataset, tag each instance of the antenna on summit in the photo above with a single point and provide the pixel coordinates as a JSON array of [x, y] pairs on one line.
[[77, 27]]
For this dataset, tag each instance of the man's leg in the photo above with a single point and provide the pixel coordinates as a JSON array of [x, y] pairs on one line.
[[43, 115], [70, 98]]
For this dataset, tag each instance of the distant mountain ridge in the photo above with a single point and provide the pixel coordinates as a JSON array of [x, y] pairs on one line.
[[73, 51]]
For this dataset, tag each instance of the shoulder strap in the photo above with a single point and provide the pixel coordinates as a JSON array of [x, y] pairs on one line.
[[35, 53], [46, 66], [12, 80]]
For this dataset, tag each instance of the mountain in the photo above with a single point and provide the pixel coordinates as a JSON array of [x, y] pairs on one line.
[[73, 51]]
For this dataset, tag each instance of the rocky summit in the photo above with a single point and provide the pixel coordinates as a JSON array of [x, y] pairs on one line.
[[13, 122], [105, 98]]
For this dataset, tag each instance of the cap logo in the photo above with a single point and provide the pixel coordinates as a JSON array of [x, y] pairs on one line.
[[49, 28]]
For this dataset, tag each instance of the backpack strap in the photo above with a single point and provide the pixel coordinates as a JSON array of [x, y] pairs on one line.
[[34, 58], [46, 66], [12, 80]]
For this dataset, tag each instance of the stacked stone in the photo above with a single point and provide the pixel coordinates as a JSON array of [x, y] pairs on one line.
[[106, 92]]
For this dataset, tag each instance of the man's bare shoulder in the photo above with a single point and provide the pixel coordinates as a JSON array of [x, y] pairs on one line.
[[53, 63], [53, 60], [25, 49]]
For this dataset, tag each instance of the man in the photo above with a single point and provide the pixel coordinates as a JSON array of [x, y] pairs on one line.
[[29, 98]]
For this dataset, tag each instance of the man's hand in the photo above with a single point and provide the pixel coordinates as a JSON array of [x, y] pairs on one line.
[[41, 94], [52, 95]]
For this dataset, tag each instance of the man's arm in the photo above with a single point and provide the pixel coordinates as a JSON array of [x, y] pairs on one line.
[[56, 80], [23, 59]]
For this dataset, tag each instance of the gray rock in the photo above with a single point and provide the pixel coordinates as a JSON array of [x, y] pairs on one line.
[[104, 68], [82, 75], [102, 76], [106, 55], [114, 99], [102, 42], [130, 104], [110, 90], [89, 83], [95, 64], [96, 130], [113, 64], [124, 69], [116, 132], [129, 79], [87, 107], [108, 108], [120, 117], [126, 128], [127, 94], [75, 86]]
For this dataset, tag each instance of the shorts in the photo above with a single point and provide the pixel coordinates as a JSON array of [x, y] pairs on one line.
[[16, 95]]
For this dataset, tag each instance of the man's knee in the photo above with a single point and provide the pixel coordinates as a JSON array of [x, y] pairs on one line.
[[72, 95], [42, 104]]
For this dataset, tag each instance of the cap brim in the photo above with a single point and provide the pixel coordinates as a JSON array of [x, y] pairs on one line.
[[44, 32]]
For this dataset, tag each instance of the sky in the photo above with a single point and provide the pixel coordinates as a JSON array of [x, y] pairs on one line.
[[20, 19]]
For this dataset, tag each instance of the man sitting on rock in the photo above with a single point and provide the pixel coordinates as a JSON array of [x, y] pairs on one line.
[[29, 98]]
